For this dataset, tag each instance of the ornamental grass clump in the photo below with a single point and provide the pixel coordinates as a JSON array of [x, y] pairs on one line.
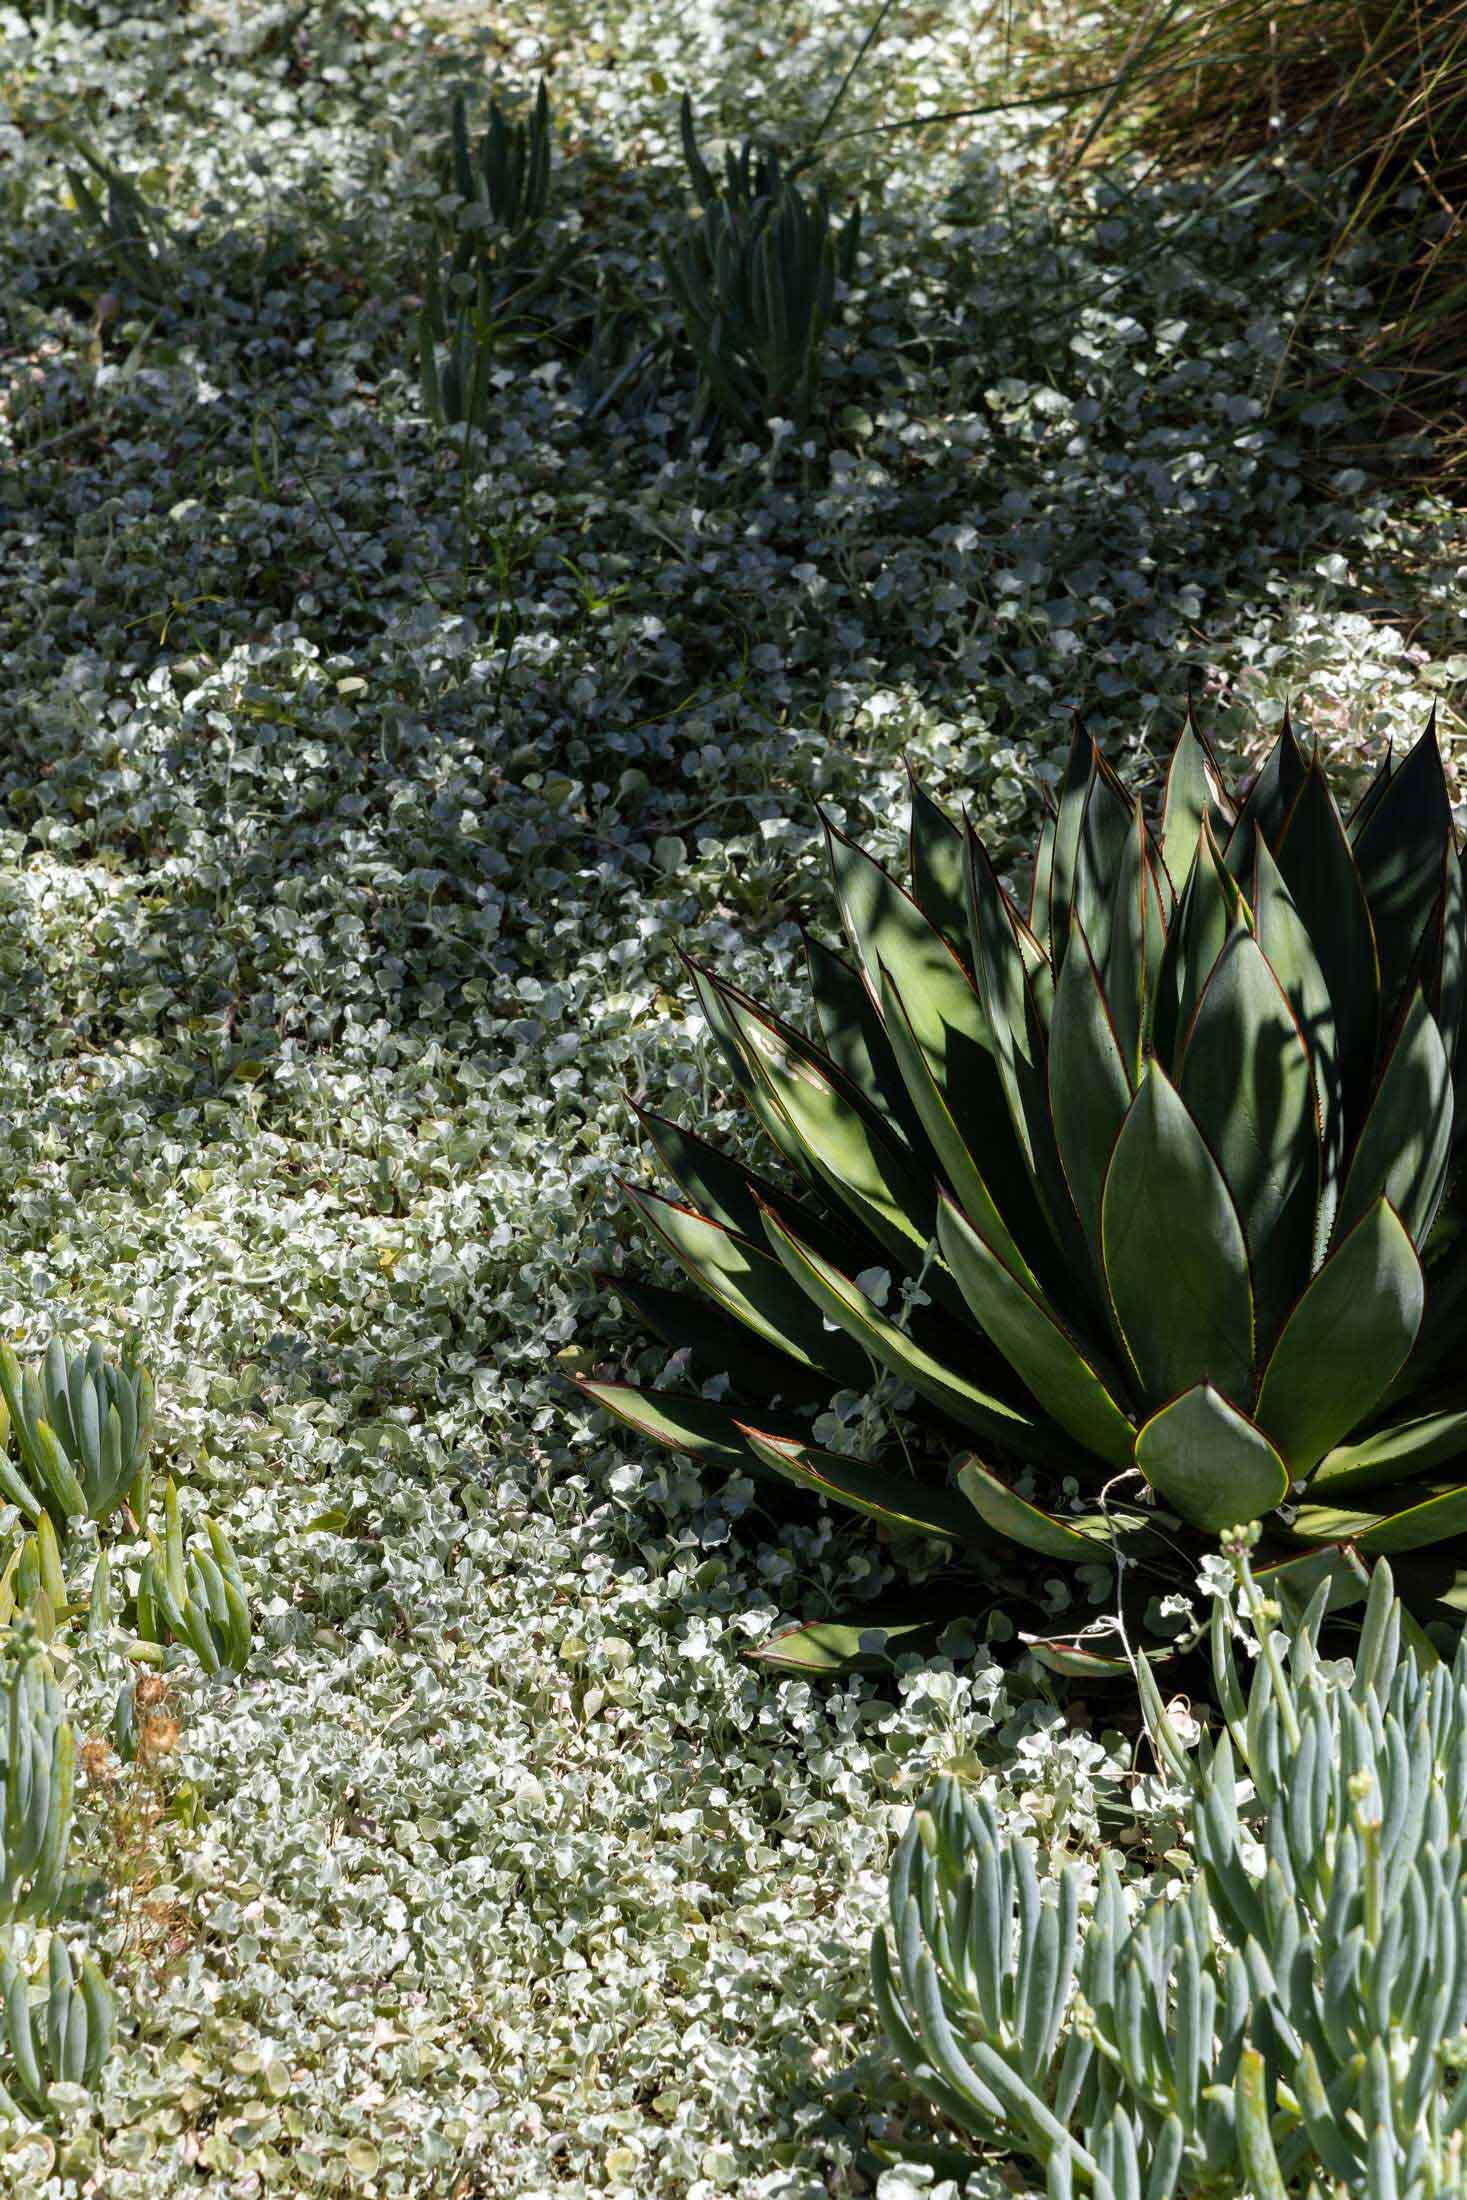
[[1164, 1165], [1369, 105], [1290, 2021]]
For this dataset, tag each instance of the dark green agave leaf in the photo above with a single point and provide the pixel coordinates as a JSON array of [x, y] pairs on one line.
[[1394, 1454], [1402, 846], [714, 999], [1131, 970], [1285, 942], [1209, 1462], [942, 1014], [956, 1147], [1101, 1656], [1175, 1259], [1080, 1537], [849, 1146], [751, 1286], [1433, 1517], [1090, 1085], [1295, 1580], [1248, 1084], [1442, 1327], [1270, 800], [719, 1185], [857, 1043], [1019, 1044], [1041, 882], [842, 1302], [826, 1649], [1344, 1341], [1194, 792], [1048, 1360], [693, 1425], [1210, 909], [1055, 891], [1406, 1141], [1106, 844], [887, 928], [898, 1501], [1320, 871], [937, 869], [1380, 780], [687, 1320]]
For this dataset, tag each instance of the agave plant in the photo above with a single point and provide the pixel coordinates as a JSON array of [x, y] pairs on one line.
[[1170, 1154], [82, 1426], [1289, 2029], [754, 279]]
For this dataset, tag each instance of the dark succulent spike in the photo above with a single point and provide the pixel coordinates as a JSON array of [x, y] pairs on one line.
[[1170, 1157], [508, 174], [496, 264], [754, 280]]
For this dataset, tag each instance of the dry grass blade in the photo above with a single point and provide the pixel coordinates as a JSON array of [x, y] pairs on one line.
[[1370, 99]]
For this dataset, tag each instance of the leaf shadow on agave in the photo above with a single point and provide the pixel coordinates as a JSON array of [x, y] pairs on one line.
[[1174, 1151]]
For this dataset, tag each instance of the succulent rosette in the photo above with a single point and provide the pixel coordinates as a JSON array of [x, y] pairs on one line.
[[1170, 1151]]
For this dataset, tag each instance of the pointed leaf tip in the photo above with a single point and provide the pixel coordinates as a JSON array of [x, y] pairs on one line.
[[1210, 1462]]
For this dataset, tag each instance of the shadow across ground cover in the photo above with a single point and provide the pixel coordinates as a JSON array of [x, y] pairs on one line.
[[343, 875]]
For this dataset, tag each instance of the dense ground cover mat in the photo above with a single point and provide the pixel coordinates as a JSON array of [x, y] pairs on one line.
[[360, 780]]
